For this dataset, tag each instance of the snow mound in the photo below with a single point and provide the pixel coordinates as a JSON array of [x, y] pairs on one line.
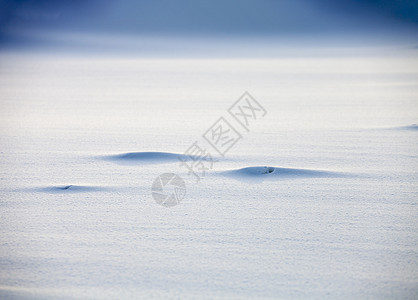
[[277, 172], [70, 189], [410, 127], [146, 157]]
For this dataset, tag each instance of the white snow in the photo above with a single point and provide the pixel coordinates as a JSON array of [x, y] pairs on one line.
[[289, 234]]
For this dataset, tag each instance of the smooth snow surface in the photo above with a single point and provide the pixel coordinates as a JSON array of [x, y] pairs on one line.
[[83, 139]]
